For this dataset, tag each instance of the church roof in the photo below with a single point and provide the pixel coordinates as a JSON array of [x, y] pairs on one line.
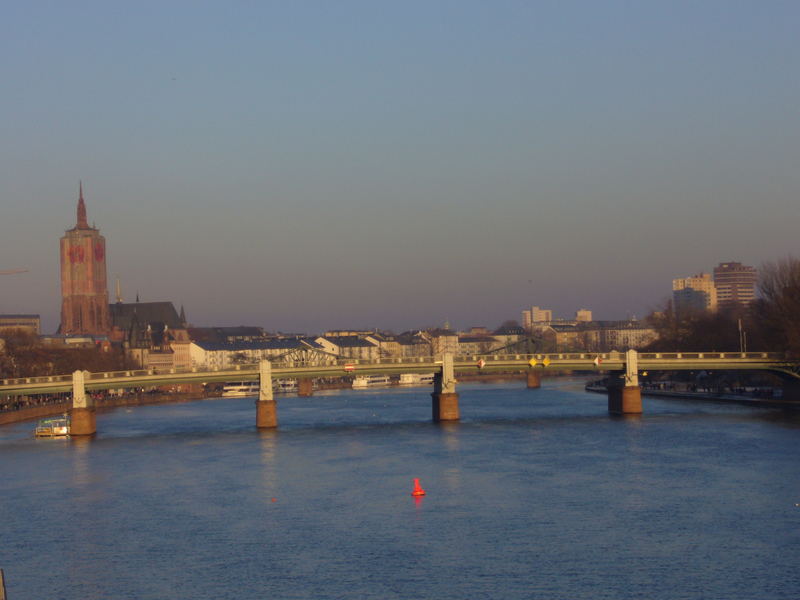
[[289, 344], [122, 314], [348, 341]]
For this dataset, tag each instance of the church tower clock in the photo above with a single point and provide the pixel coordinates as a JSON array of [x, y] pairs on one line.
[[84, 289]]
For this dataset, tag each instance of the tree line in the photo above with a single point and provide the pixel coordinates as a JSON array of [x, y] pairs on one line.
[[24, 355], [771, 323]]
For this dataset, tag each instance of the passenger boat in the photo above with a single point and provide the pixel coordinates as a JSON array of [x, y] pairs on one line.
[[416, 379], [240, 389], [285, 385], [53, 427], [364, 381]]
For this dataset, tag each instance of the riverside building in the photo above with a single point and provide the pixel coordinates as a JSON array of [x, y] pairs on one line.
[[735, 284], [696, 293], [84, 290]]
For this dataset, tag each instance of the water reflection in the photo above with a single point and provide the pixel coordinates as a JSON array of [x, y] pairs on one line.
[[268, 445], [81, 476], [551, 496]]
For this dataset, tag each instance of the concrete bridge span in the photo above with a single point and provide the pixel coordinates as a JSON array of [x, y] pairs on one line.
[[624, 394]]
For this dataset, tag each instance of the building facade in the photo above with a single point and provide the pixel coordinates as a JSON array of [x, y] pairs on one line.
[[84, 289], [28, 323], [735, 284], [536, 317], [599, 336], [696, 293]]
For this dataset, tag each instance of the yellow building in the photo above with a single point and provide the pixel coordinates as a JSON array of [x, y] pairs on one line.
[[694, 293]]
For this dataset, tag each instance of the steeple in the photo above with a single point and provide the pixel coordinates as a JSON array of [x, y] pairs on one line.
[[82, 222]]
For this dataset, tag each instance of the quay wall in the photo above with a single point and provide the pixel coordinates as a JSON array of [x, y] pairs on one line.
[[709, 397]]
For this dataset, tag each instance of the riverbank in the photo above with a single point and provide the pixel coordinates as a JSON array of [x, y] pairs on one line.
[[32, 413], [710, 397]]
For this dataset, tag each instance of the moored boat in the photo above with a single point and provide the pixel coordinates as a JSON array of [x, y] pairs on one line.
[[240, 389], [416, 379], [53, 427], [285, 386], [365, 381]]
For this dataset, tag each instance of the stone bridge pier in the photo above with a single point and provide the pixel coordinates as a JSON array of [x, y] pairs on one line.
[[266, 407], [82, 414], [534, 379], [624, 392], [444, 396], [305, 387]]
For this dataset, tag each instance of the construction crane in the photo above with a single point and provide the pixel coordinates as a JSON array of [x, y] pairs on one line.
[[13, 271]]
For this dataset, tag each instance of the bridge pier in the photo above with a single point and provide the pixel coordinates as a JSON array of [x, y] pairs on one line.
[[444, 396], [624, 392], [305, 387], [82, 414], [534, 379], [790, 390], [266, 407], [624, 399]]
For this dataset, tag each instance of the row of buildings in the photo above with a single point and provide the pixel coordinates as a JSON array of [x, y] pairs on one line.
[[732, 285], [582, 332], [224, 347], [156, 335]]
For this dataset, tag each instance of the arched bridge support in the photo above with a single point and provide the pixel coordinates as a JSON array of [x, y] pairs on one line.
[[266, 407], [444, 396], [624, 392], [82, 414]]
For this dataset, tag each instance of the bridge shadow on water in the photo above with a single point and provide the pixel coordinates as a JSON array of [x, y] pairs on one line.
[[402, 411]]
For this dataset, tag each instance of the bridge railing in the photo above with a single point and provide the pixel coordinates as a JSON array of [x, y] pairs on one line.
[[400, 361], [39, 379], [711, 355]]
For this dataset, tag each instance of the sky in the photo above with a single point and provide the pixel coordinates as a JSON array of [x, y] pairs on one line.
[[313, 165]]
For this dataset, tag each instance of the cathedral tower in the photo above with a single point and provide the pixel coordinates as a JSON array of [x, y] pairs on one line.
[[84, 290]]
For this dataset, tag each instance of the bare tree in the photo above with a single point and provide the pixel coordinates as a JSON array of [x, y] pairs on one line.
[[778, 309]]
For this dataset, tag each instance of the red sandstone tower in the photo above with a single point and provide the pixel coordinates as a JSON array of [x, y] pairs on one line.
[[84, 290]]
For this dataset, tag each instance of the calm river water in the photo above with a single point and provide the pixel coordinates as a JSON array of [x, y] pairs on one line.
[[534, 494]]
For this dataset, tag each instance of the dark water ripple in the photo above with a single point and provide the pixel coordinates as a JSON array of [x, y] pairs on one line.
[[535, 494]]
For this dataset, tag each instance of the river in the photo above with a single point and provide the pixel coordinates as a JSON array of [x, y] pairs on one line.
[[534, 494]]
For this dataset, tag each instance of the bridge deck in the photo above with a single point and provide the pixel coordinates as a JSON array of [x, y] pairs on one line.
[[610, 361]]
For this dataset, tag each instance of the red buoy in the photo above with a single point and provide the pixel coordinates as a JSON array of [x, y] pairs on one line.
[[418, 491]]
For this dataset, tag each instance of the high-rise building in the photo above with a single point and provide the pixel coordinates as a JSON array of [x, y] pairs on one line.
[[583, 315], [694, 293], [735, 284], [535, 316], [84, 290]]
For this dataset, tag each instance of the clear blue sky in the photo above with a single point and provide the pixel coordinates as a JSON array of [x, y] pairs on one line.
[[308, 165]]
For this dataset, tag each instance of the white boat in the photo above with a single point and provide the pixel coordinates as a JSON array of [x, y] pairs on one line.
[[365, 381], [416, 379], [53, 427], [240, 389], [285, 385]]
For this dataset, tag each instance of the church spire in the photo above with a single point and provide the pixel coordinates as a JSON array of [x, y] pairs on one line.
[[82, 222]]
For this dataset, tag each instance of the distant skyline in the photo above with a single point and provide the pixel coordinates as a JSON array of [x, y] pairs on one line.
[[315, 165]]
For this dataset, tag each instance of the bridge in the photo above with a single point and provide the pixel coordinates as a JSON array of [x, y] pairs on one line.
[[624, 393]]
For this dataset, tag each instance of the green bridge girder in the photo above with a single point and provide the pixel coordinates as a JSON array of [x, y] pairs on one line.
[[586, 361]]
